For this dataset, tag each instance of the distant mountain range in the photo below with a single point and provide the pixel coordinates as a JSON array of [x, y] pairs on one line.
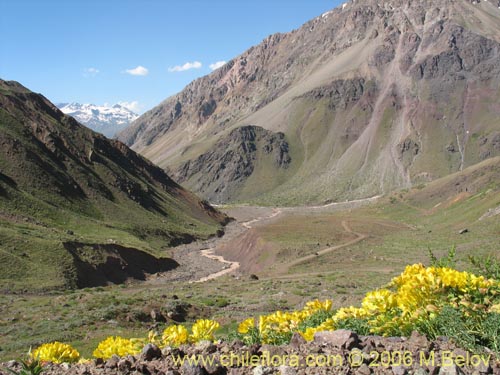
[[372, 96], [107, 120]]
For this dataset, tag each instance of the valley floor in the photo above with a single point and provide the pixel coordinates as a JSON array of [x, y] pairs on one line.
[[285, 257]]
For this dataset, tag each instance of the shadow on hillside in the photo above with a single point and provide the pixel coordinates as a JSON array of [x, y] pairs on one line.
[[102, 264]]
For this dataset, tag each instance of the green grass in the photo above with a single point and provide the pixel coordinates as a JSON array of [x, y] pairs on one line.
[[52, 195], [399, 233]]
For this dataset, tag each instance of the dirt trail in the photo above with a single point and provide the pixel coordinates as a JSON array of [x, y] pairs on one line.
[[209, 253], [248, 224], [233, 266], [347, 228], [199, 261]]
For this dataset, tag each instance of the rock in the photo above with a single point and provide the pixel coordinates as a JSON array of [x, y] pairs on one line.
[[450, 370], [262, 370], [188, 369], [421, 371], [206, 346], [340, 338], [363, 370], [234, 346], [64, 366], [273, 350], [84, 371], [399, 370], [484, 368], [417, 341], [297, 340], [215, 369], [157, 315], [236, 371], [124, 365], [98, 362], [177, 310], [287, 370], [70, 232], [112, 362], [142, 368], [150, 352], [253, 277], [172, 372], [462, 231], [11, 364]]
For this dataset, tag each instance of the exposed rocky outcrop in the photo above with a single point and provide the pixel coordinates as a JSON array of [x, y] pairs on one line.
[[220, 172], [357, 91], [337, 352]]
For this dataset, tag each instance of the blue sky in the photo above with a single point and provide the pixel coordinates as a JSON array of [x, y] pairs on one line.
[[107, 51]]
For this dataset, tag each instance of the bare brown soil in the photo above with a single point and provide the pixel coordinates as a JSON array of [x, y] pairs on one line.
[[242, 249]]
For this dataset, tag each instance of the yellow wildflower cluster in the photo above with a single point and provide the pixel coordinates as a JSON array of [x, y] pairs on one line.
[[203, 329], [275, 327], [56, 352], [116, 345], [416, 295], [175, 335], [419, 293]]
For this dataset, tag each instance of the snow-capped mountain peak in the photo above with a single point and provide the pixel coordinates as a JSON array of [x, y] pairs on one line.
[[105, 119]]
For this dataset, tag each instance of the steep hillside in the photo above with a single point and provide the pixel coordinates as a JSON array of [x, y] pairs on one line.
[[371, 96], [78, 209], [223, 171]]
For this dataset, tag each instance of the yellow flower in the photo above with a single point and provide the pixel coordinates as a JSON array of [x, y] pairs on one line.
[[379, 301], [317, 305], [246, 325], [350, 312], [175, 335], [56, 352], [308, 334], [203, 329], [153, 338], [119, 346], [327, 325]]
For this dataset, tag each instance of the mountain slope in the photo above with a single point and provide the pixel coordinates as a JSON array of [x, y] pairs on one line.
[[371, 96], [103, 119], [78, 209]]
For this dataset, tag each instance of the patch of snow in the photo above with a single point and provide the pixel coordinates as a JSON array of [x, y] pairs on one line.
[[105, 119], [344, 6]]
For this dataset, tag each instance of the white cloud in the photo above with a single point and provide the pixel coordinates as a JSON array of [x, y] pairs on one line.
[[217, 65], [186, 66], [132, 106], [90, 72], [138, 71]]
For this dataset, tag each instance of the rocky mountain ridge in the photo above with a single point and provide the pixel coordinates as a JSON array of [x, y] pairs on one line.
[[104, 119], [371, 96], [86, 210], [222, 170]]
